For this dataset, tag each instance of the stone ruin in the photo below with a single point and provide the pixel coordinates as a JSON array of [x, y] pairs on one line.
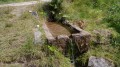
[[79, 37]]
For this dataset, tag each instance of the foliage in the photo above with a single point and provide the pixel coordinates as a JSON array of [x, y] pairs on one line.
[[62, 61], [53, 10], [113, 16], [97, 14], [82, 60]]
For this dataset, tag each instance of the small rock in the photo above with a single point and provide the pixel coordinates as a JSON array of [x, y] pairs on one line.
[[62, 41], [102, 36], [37, 36], [82, 41], [99, 62]]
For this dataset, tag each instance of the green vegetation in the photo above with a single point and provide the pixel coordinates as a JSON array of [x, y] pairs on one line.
[[13, 33], [16, 34], [53, 10], [97, 15], [113, 16]]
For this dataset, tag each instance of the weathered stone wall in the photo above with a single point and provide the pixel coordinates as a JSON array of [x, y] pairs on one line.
[[81, 40], [62, 41], [80, 37]]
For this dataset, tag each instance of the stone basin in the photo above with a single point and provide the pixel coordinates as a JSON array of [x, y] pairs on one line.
[[60, 34], [57, 29]]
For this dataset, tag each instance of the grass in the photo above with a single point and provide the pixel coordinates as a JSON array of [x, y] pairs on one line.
[[14, 34], [16, 37], [94, 15]]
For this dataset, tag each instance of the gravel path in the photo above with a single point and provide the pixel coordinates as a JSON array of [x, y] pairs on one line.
[[19, 4], [24, 3]]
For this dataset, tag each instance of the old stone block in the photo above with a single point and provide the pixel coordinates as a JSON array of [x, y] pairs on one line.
[[37, 36], [62, 41], [102, 36], [82, 41]]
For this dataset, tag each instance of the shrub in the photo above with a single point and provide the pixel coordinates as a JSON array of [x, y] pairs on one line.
[[53, 10]]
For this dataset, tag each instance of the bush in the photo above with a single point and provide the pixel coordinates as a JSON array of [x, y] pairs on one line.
[[53, 10]]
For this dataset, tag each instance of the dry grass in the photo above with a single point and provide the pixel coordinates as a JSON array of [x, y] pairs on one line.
[[14, 33]]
